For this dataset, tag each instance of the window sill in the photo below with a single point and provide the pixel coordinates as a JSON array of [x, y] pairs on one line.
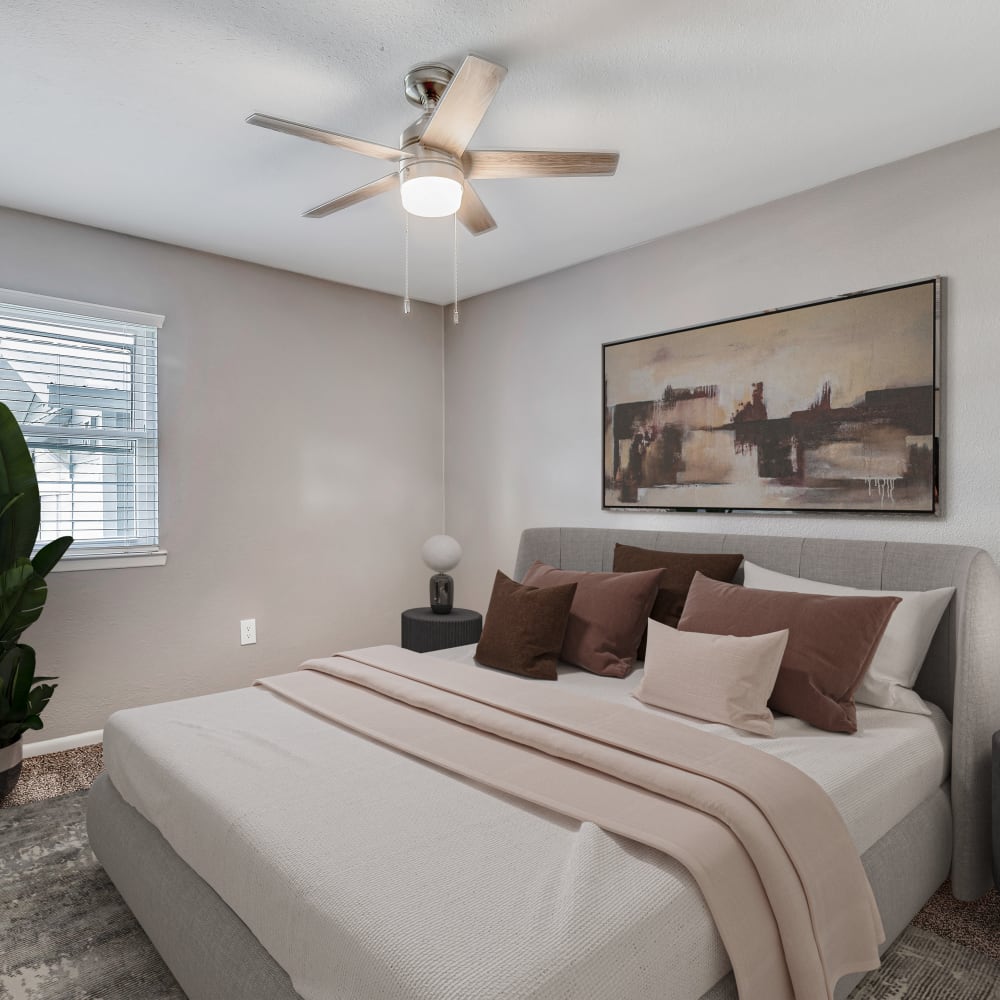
[[115, 560]]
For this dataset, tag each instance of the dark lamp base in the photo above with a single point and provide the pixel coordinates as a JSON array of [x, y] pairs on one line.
[[442, 594]]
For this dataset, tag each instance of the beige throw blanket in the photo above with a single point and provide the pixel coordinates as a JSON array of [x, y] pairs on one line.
[[764, 842]]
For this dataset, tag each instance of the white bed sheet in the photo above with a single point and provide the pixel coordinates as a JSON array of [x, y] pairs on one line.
[[368, 874]]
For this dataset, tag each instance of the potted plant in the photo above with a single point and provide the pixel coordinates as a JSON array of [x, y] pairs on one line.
[[22, 596]]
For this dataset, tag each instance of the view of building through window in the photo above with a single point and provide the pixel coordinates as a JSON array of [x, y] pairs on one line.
[[85, 397]]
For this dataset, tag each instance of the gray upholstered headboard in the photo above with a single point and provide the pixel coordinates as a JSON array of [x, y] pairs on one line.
[[962, 669]]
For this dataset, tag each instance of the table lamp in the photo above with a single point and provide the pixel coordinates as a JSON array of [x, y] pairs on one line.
[[441, 553]]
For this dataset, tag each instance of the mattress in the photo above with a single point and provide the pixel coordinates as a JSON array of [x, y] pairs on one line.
[[404, 881]]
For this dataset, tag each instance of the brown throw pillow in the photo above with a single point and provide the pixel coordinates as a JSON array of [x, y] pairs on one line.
[[524, 628], [679, 569], [831, 641], [608, 616]]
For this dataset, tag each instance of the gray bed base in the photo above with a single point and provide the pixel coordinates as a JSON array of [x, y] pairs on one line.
[[214, 956]]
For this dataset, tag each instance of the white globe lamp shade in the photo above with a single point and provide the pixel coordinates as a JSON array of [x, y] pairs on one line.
[[441, 553]]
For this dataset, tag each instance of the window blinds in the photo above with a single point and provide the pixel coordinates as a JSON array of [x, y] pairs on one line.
[[83, 389]]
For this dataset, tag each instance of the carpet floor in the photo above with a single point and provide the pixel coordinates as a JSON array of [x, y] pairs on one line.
[[52, 774], [68, 935]]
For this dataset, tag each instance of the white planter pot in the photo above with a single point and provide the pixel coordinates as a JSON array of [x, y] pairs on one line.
[[10, 766], [11, 756]]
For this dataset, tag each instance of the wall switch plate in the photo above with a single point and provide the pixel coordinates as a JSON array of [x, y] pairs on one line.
[[248, 631]]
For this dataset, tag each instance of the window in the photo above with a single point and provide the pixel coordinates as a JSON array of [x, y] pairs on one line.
[[81, 381]]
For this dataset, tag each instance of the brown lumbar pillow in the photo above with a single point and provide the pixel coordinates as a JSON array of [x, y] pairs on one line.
[[679, 569], [609, 615], [831, 642], [524, 628]]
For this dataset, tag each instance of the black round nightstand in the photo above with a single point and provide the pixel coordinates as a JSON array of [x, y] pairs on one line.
[[424, 631]]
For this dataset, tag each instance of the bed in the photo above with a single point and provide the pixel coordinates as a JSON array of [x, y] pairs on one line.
[[920, 814]]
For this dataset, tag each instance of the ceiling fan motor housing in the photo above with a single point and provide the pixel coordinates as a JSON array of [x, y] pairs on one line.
[[412, 133], [425, 84], [426, 162]]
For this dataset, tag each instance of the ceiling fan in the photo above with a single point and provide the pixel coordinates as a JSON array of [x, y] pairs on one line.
[[435, 165]]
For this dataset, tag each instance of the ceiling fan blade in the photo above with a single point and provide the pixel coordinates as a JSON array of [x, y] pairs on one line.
[[362, 146], [486, 163], [473, 214], [463, 105], [383, 184]]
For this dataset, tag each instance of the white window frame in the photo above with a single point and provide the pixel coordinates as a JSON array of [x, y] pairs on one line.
[[100, 554]]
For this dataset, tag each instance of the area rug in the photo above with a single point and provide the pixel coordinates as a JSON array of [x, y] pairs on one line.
[[67, 935], [921, 965]]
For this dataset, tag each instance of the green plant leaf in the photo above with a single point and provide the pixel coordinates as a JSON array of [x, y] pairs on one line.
[[33, 722], [7, 663], [17, 475], [23, 679], [15, 576], [7, 501], [48, 555], [39, 698], [9, 732], [13, 580], [20, 605]]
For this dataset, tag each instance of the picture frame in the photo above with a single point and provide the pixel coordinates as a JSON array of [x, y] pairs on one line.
[[828, 406]]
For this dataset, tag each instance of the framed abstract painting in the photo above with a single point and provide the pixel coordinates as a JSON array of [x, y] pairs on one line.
[[826, 406]]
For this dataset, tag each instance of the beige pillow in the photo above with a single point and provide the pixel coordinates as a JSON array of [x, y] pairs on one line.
[[718, 678]]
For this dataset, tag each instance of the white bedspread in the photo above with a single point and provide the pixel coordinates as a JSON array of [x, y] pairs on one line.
[[379, 877]]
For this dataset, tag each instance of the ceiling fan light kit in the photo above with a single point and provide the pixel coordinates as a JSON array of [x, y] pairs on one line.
[[431, 184]]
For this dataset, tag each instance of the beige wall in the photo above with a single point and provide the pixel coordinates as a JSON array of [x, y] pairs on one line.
[[299, 448], [300, 471], [523, 395]]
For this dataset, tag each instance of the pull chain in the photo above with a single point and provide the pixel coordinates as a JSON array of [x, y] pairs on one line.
[[454, 315], [406, 266], [406, 263]]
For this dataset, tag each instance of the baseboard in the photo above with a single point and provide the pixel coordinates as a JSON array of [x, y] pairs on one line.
[[63, 743]]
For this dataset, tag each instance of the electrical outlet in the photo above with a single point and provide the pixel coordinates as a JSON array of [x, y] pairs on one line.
[[248, 631]]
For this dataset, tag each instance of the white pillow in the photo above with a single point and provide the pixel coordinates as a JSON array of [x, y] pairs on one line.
[[718, 678], [905, 642]]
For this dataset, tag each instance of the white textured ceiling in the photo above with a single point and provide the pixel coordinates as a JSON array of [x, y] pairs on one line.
[[129, 115]]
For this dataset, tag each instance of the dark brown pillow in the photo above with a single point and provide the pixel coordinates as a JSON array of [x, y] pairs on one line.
[[679, 569], [524, 628], [609, 615], [831, 642]]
